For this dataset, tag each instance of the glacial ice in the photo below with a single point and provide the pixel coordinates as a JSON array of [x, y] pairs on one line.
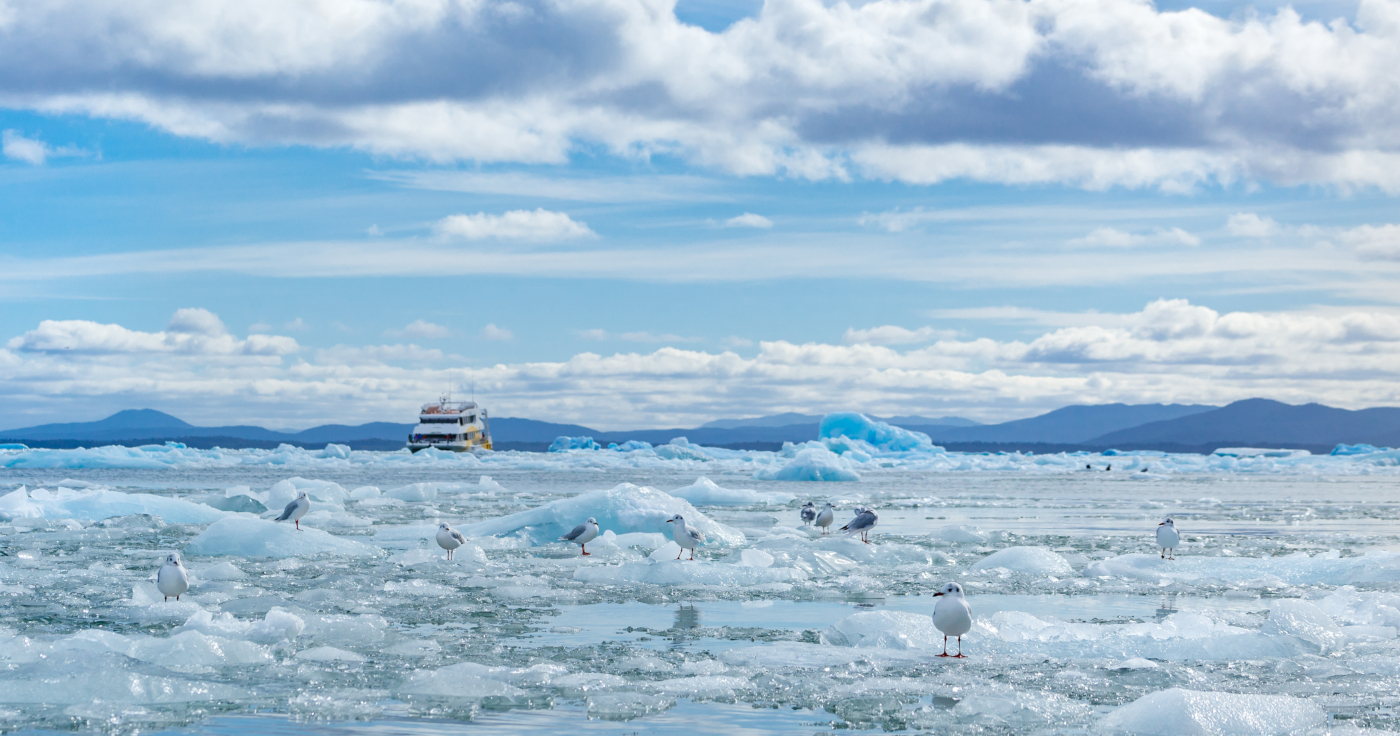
[[1030, 560], [813, 463], [565, 444], [1181, 712], [245, 536], [96, 505], [624, 509], [880, 436], [1295, 569], [705, 492]]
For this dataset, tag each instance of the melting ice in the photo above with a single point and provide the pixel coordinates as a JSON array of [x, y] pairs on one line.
[[1280, 614]]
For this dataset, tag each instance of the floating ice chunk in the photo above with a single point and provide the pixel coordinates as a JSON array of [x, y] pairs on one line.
[[957, 534], [411, 588], [753, 558], [467, 553], [587, 682], [1273, 571], [244, 536], [645, 540], [704, 492], [1259, 452], [812, 464], [1306, 621], [565, 444], [465, 680], [221, 571], [96, 505], [884, 630], [1357, 449], [1178, 712], [626, 706], [879, 435], [679, 448], [319, 491], [80, 677], [364, 492], [487, 485], [1135, 663], [630, 445], [685, 572], [711, 686], [1030, 560], [414, 648], [624, 509], [328, 654], [338, 452], [362, 630], [277, 624], [414, 492]]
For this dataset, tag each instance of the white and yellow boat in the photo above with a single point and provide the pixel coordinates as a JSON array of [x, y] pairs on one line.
[[456, 426]]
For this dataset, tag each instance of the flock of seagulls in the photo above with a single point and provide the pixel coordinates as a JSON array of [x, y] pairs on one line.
[[951, 614]]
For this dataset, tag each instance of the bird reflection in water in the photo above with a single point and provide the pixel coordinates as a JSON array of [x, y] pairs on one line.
[[687, 618], [1167, 606]]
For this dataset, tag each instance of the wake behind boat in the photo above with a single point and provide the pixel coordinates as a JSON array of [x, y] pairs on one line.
[[458, 426]]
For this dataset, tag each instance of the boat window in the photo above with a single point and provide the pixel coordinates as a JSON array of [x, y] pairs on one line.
[[470, 419]]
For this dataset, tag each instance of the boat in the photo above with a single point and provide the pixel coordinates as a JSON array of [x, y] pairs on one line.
[[455, 426]]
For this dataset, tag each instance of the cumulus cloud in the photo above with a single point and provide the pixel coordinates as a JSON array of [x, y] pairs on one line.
[[892, 335], [1170, 351], [1094, 93], [1250, 225], [749, 219], [1370, 241], [492, 332], [32, 151], [191, 331], [421, 329], [540, 224]]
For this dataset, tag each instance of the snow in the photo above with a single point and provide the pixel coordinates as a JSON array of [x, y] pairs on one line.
[[244, 536], [1180, 712], [624, 509], [705, 492]]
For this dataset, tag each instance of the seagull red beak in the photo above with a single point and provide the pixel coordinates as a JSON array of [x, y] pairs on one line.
[[935, 595], [668, 521]]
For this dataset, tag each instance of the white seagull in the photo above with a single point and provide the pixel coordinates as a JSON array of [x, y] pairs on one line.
[[449, 539], [826, 517], [172, 578], [583, 534], [809, 512], [952, 616], [686, 537], [865, 521], [296, 509], [1168, 538]]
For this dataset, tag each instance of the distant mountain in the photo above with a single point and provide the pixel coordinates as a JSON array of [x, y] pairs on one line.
[[1261, 422], [791, 419], [1070, 425]]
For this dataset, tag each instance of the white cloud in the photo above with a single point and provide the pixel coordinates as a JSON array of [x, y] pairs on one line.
[[1170, 351], [748, 219], [892, 335], [32, 150], [492, 332], [1370, 241], [540, 224], [1263, 96], [1107, 237], [897, 221], [373, 231], [421, 329], [191, 331], [296, 325], [1250, 225]]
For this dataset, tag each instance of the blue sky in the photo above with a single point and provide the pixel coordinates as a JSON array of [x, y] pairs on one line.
[[968, 207]]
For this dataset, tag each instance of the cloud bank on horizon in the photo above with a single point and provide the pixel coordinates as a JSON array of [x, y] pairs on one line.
[[1088, 93], [1171, 351]]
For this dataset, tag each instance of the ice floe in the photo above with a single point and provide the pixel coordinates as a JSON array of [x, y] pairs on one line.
[[245, 536], [99, 504], [705, 492], [1181, 712]]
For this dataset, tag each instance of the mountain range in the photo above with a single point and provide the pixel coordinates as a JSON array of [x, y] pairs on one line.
[[1172, 427]]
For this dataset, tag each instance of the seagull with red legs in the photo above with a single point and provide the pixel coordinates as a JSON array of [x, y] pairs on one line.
[[952, 616]]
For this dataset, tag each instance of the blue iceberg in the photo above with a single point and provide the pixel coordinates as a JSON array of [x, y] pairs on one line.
[[881, 437], [564, 444]]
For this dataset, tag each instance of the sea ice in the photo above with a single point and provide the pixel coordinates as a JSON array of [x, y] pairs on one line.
[[656, 571], [245, 536], [1296, 569], [1179, 712], [878, 435], [884, 630], [565, 444], [96, 505], [624, 509], [1029, 560], [705, 492], [812, 464]]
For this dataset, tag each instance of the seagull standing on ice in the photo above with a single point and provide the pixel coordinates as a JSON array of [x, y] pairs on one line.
[[952, 616], [809, 512], [826, 517], [449, 539], [172, 579], [583, 534], [686, 537], [1168, 538], [296, 509], [865, 521]]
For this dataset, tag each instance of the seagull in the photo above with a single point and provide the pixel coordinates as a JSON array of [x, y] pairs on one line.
[[809, 512], [1168, 538], [296, 509], [172, 579], [825, 518], [449, 539], [583, 534], [865, 521], [952, 616], [686, 537]]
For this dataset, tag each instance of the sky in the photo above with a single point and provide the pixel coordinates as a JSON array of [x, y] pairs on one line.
[[640, 213]]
